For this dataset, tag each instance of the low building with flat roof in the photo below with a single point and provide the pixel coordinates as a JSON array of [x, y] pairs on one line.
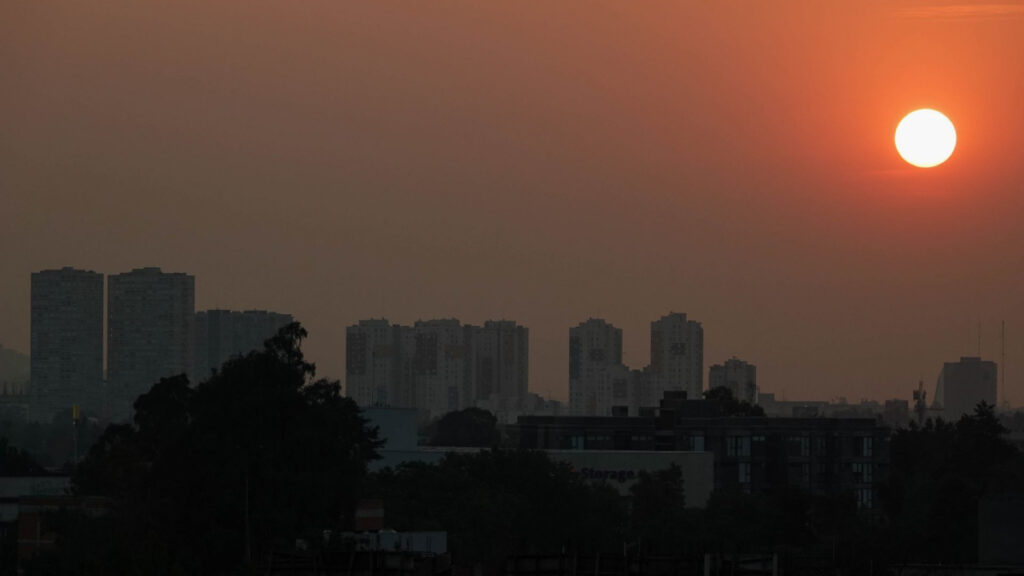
[[750, 454], [618, 468]]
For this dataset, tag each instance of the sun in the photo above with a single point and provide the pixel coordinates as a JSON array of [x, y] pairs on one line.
[[925, 138]]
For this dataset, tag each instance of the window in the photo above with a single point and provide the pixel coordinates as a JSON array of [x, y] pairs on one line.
[[820, 445], [865, 498], [866, 446], [821, 470], [744, 469], [799, 446], [738, 446], [697, 443], [861, 472]]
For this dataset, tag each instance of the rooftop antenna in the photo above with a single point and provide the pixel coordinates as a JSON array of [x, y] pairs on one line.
[[920, 402]]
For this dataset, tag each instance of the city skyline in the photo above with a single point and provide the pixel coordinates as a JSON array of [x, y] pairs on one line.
[[780, 393], [390, 369], [732, 160]]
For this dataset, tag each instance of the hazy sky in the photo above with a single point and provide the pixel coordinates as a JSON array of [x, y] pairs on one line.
[[544, 162]]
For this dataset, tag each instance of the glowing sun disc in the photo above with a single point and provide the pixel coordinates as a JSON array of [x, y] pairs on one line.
[[925, 138]]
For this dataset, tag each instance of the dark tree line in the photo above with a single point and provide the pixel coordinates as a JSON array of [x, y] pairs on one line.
[[938, 474], [495, 503], [209, 479]]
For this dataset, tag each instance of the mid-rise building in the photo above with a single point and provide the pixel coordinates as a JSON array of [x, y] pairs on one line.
[[150, 332], [757, 455], [224, 334], [439, 367], [962, 385], [677, 358], [738, 376], [372, 362], [597, 378], [66, 341]]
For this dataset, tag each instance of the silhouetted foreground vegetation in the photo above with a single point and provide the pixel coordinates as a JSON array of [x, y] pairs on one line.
[[497, 503], [730, 405], [939, 472], [213, 478], [209, 479], [470, 427]]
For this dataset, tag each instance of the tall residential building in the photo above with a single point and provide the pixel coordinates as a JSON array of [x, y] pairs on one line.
[[738, 376], [67, 341], [677, 358], [597, 378], [372, 362], [962, 385], [500, 355], [437, 366], [150, 332], [223, 334]]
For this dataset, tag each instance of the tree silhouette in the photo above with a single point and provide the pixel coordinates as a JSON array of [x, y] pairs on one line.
[[496, 503], [938, 474], [730, 405], [209, 479], [471, 427], [659, 518]]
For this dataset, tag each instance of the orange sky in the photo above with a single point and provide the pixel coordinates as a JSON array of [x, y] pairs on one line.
[[544, 162]]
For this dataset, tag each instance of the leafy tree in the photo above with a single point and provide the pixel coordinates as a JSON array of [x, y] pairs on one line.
[[496, 503], [471, 427], [938, 474], [730, 405], [209, 479], [659, 518]]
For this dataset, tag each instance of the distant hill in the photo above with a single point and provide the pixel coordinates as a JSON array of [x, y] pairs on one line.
[[14, 369]]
